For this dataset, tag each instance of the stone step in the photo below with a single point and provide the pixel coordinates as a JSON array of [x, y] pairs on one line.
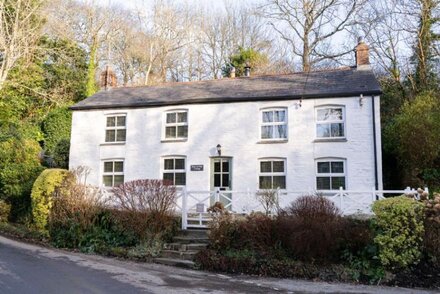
[[175, 262], [175, 254], [185, 247], [194, 232], [191, 239]]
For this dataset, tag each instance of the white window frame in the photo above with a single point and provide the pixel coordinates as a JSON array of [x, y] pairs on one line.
[[115, 128], [330, 174], [330, 122], [112, 173], [175, 125], [174, 171], [272, 174], [264, 124]]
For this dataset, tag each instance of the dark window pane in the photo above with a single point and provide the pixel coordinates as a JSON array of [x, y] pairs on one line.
[[323, 167], [278, 166], [169, 177], [323, 183], [217, 180], [323, 130], [182, 117], [225, 166], [169, 164], [108, 167], [182, 131], [338, 182], [337, 167], [265, 166], [225, 180], [108, 181], [279, 182], [265, 182], [171, 117], [180, 179], [217, 166], [111, 121], [170, 132], [120, 135], [180, 163], [110, 136], [121, 121], [119, 166], [118, 180], [337, 130], [266, 132]]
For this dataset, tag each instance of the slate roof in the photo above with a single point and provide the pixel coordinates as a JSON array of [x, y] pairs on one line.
[[343, 82]]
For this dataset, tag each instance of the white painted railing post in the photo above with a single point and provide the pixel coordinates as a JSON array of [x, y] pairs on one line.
[[341, 199], [184, 209], [373, 195], [217, 194]]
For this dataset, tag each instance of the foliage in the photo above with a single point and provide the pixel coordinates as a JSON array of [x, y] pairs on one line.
[[268, 199], [431, 240], [400, 231], [5, 210], [310, 228], [91, 87], [415, 134], [61, 154], [148, 206], [151, 247], [46, 186], [245, 57], [56, 128], [19, 167]]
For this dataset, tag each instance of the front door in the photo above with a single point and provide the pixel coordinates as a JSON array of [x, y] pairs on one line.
[[221, 177]]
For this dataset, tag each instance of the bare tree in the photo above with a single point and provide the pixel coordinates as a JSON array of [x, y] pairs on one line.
[[309, 27], [20, 29]]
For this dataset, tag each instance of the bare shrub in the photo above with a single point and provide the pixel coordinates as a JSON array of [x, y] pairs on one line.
[[268, 199], [310, 228], [147, 205]]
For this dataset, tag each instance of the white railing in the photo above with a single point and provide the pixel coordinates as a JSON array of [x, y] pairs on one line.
[[194, 204]]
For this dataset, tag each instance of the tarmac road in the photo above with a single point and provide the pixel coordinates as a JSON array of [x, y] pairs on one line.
[[26, 268]]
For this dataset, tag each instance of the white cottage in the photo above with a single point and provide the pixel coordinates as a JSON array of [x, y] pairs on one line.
[[300, 132]]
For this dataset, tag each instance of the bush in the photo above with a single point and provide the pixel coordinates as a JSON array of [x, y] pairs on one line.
[[45, 187], [310, 228], [147, 206], [399, 221], [431, 240], [61, 154], [5, 210], [56, 128]]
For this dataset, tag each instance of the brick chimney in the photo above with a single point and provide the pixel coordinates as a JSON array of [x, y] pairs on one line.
[[108, 79], [362, 52]]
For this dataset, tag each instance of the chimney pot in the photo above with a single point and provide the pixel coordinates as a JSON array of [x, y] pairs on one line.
[[362, 52], [232, 72]]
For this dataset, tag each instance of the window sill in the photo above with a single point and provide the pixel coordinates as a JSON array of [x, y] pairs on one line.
[[272, 141], [330, 140], [173, 140], [112, 143]]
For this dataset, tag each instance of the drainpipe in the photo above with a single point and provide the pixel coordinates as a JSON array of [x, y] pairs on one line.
[[376, 181]]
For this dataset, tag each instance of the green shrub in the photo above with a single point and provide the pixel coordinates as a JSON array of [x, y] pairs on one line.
[[5, 210], [399, 222], [46, 185], [56, 128]]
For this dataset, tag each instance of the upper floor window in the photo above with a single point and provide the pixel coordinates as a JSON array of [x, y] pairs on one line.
[[174, 170], [272, 174], [330, 174], [176, 124], [330, 122], [113, 173], [116, 128], [274, 124]]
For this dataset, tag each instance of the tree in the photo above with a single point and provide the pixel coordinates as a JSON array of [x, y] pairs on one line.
[[20, 30], [246, 57], [309, 27]]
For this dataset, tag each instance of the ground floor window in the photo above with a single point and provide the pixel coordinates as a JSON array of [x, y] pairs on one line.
[[174, 171], [330, 174], [272, 174], [113, 173]]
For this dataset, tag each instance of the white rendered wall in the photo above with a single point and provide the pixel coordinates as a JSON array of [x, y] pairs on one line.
[[236, 127]]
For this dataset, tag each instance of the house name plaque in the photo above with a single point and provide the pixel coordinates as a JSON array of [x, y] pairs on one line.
[[197, 167]]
